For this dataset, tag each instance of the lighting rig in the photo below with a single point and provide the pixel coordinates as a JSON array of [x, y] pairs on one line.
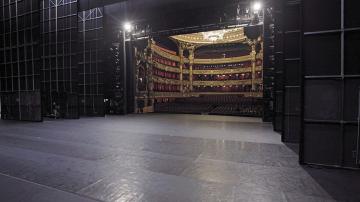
[[249, 14]]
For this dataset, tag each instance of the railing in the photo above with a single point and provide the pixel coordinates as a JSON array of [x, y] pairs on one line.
[[166, 80], [166, 67], [205, 71], [164, 54], [226, 83], [227, 71], [223, 60]]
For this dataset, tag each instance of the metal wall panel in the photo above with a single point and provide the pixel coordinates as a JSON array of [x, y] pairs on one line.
[[59, 75], [292, 71], [90, 27], [331, 83], [269, 66], [279, 66], [19, 67]]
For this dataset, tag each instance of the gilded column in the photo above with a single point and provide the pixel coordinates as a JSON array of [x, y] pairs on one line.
[[181, 66], [191, 63], [253, 64]]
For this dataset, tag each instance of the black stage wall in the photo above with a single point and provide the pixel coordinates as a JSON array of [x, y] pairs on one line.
[[331, 80], [20, 60], [268, 66], [59, 59], [277, 6], [291, 71]]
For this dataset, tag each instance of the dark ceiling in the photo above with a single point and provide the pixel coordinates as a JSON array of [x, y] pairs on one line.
[[170, 14]]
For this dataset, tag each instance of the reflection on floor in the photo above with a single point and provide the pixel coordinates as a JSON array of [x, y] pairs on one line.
[[158, 158]]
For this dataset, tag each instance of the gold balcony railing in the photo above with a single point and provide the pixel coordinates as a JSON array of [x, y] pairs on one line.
[[166, 68], [164, 54], [223, 60], [226, 83], [166, 80], [227, 71], [237, 70]]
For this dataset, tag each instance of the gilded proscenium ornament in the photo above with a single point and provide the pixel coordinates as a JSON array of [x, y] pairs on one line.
[[233, 35]]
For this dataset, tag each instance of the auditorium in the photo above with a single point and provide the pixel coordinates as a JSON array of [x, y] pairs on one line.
[[179, 100]]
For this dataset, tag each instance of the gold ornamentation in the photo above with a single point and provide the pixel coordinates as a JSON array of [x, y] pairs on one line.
[[166, 80], [206, 38], [226, 83], [227, 71], [166, 68], [223, 60], [164, 54]]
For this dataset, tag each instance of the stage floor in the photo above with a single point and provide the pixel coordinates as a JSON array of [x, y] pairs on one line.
[[160, 157]]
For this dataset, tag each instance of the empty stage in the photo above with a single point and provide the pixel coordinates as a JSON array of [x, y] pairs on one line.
[[160, 157]]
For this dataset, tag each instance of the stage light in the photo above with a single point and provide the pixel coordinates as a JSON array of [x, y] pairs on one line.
[[127, 26], [257, 6]]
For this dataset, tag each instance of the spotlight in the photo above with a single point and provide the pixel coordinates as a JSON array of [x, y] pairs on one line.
[[127, 26], [257, 6]]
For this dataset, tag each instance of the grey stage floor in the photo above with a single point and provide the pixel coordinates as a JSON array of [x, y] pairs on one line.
[[160, 157]]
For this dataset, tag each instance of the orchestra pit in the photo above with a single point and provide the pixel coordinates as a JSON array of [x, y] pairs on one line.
[[179, 100]]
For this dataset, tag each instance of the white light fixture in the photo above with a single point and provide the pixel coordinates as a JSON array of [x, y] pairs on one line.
[[127, 26], [257, 6]]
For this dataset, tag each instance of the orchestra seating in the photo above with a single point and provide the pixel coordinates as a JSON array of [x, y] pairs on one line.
[[185, 108], [213, 104]]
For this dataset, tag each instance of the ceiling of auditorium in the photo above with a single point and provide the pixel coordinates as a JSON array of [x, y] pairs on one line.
[[213, 37]]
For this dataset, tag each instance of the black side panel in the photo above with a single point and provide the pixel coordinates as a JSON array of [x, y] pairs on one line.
[[331, 83], [130, 78], [22, 106], [292, 72], [279, 66], [59, 35], [269, 66], [91, 42], [19, 64]]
